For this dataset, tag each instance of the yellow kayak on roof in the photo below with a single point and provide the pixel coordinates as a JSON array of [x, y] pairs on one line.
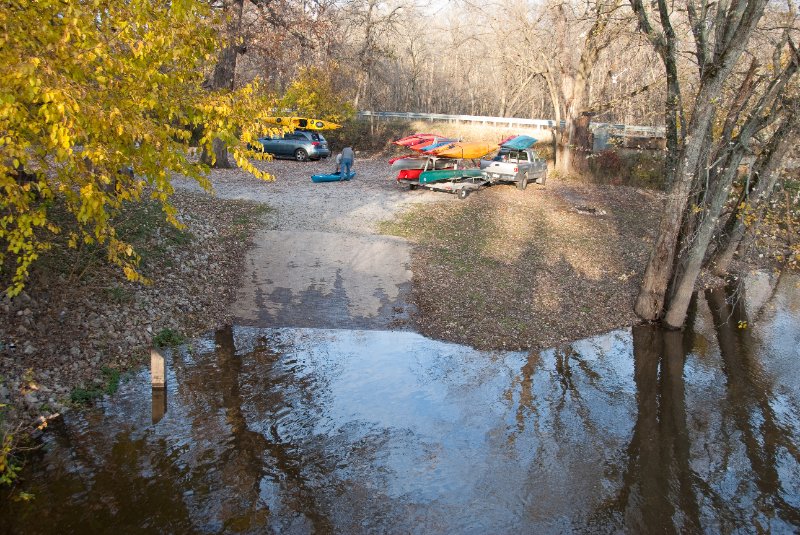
[[303, 122], [464, 149]]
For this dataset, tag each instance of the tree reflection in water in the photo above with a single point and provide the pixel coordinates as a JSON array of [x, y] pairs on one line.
[[667, 489], [750, 399], [313, 431]]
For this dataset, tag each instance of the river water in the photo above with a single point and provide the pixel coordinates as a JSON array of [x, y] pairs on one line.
[[336, 431]]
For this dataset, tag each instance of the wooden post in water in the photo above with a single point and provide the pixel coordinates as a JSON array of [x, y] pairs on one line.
[[157, 369], [159, 384]]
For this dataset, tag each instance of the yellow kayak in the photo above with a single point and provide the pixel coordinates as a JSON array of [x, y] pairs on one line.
[[304, 122], [468, 150]]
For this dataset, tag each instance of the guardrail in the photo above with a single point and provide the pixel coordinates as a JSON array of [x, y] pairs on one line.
[[511, 122]]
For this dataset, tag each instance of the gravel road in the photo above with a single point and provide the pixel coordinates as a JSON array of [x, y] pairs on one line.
[[318, 261], [352, 207]]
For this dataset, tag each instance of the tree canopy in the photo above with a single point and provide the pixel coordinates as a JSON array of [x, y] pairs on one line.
[[98, 102]]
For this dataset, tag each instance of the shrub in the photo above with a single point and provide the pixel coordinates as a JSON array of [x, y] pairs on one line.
[[168, 338], [609, 163]]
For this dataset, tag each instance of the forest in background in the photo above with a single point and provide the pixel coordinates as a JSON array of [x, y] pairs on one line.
[[509, 59]]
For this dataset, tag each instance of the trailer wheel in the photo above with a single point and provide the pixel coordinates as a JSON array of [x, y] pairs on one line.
[[412, 187], [463, 193], [543, 178], [523, 182]]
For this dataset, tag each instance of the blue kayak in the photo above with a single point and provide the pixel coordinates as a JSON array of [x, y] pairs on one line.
[[333, 177], [519, 143]]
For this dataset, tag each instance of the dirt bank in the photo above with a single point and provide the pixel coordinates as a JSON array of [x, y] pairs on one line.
[[530, 269], [80, 324]]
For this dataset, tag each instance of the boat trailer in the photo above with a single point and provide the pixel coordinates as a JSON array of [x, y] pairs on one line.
[[460, 186]]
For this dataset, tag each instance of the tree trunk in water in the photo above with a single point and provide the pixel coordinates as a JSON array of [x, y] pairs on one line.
[[720, 178], [652, 294], [736, 27], [684, 286]]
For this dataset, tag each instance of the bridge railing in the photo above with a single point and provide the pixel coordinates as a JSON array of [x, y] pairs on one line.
[[516, 122]]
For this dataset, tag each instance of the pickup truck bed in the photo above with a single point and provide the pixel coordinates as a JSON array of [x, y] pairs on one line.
[[519, 166]]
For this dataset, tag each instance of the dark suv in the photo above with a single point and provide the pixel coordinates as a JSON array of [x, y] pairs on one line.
[[301, 145]]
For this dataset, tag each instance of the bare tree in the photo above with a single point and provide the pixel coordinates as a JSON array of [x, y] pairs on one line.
[[721, 32], [224, 73]]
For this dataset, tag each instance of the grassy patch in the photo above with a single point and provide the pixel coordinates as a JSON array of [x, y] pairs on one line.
[[168, 338], [513, 269], [253, 215], [84, 395], [396, 227]]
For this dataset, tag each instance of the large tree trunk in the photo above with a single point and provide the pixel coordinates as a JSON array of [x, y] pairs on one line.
[[224, 78], [218, 157], [577, 138], [737, 30], [720, 179], [652, 294], [721, 176], [684, 286]]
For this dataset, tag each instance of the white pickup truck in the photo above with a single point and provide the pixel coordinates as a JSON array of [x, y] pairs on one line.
[[515, 165]]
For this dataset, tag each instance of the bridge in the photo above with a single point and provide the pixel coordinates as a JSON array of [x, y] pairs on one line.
[[601, 130]]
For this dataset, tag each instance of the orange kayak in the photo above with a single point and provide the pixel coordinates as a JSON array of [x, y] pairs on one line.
[[468, 150]]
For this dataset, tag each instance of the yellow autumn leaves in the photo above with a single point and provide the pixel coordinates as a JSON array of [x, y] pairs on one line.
[[92, 90]]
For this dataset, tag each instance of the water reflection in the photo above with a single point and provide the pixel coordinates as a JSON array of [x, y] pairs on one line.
[[159, 404], [316, 431]]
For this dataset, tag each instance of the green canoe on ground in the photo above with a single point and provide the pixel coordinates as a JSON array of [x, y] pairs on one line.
[[438, 175]]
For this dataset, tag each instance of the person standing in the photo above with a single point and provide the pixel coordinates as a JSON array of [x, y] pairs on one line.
[[347, 160]]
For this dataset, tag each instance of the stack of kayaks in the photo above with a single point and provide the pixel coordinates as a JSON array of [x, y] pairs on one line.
[[439, 175], [442, 147], [439, 164], [408, 162], [518, 142], [415, 139], [437, 158], [463, 150]]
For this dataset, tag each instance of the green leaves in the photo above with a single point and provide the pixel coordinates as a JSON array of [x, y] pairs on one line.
[[90, 89]]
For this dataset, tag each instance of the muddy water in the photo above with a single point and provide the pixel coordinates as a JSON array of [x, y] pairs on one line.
[[318, 431]]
